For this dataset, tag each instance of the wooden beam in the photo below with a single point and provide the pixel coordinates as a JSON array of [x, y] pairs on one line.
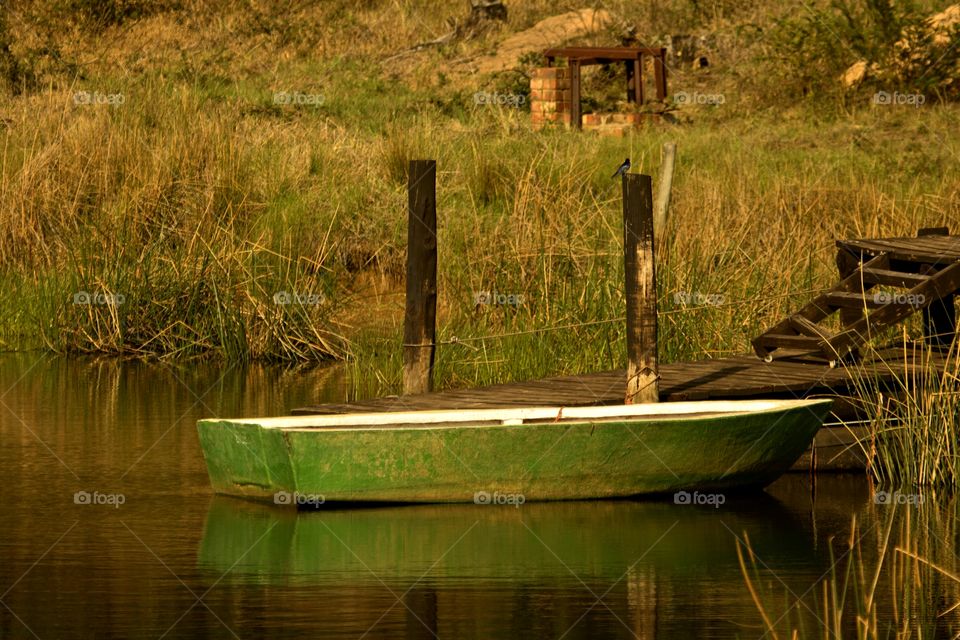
[[786, 341], [893, 278], [852, 300], [660, 75], [419, 325], [804, 327], [641, 290], [605, 53], [940, 318], [848, 264], [638, 80], [905, 251], [575, 119]]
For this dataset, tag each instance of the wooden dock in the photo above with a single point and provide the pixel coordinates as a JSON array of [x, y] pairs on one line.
[[797, 358], [826, 348], [926, 268], [739, 377]]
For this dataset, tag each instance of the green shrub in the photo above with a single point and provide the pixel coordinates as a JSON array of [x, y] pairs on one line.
[[810, 50]]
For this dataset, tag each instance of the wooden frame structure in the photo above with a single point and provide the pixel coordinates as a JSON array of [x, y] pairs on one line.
[[632, 57]]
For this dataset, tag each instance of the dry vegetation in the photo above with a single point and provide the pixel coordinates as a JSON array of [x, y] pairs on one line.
[[199, 198]]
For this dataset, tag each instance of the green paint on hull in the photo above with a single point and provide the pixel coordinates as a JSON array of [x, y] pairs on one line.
[[251, 462], [542, 461]]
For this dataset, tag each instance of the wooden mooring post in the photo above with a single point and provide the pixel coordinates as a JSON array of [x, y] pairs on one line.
[[940, 318], [641, 290], [420, 318]]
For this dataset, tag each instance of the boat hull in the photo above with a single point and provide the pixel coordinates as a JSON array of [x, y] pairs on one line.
[[508, 462]]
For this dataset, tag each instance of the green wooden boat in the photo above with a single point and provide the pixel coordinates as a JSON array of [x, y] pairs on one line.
[[509, 456]]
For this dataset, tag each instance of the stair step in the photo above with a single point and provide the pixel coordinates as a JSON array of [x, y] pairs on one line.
[[893, 278], [852, 300], [785, 341], [806, 327]]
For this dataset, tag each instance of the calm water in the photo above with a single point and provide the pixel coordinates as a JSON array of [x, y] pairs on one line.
[[161, 556]]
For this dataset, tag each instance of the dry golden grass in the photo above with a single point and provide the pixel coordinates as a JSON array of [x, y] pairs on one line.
[[198, 198]]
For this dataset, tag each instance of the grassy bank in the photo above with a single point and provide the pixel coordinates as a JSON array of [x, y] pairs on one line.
[[203, 217], [199, 226]]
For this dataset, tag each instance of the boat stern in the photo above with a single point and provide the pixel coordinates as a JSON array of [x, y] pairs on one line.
[[246, 459]]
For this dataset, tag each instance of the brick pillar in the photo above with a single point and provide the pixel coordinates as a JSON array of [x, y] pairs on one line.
[[550, 96]]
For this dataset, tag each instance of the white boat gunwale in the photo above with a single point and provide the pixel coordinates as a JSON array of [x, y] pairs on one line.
[[451, 419]]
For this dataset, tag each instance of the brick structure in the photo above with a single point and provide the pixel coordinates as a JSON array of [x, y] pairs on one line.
[[551, 100], [550, 96]]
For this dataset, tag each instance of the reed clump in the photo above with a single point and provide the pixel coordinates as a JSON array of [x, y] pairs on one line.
[[895, 579], [911, 435]]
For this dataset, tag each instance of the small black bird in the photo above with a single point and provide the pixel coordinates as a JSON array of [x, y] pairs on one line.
[[622, 169]]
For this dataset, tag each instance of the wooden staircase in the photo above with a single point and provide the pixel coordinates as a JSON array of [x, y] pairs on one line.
[[922, 281]]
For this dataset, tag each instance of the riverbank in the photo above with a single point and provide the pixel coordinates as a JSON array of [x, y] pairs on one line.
[[195, 213]]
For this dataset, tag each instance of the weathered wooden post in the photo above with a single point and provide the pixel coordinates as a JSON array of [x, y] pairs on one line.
[[664, 188], [420, 319], [635, 79], [940, 318], [640, 289]]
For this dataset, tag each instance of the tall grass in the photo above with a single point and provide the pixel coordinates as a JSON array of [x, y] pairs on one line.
[[198, 199], [751, 234], [912, 436], [896, 579]]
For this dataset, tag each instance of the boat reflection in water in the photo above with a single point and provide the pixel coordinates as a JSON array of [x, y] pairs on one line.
[[603, 568]]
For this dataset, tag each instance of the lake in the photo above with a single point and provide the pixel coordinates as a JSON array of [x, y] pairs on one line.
[[109, 529]]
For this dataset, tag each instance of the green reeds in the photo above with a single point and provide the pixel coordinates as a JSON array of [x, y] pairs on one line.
[[913, 417]]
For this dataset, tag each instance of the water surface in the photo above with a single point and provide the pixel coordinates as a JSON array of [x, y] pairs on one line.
[[108, 528]]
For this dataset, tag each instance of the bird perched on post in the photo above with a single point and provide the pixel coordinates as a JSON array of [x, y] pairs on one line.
[[622, 169]]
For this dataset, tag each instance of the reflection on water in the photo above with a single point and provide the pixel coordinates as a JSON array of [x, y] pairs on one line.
[[174, 559], [658, 566]]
